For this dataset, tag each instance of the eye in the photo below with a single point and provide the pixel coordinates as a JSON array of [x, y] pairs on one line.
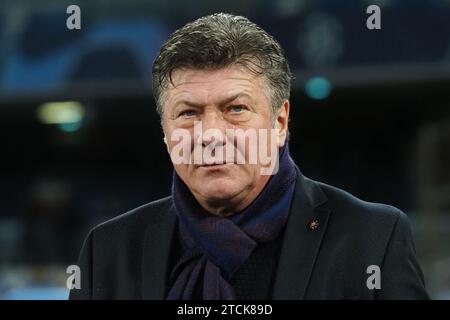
[[187, 113], [238, 108]]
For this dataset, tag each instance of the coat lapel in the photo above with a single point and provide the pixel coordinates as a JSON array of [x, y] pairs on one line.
[[302, 238], [157, 248]]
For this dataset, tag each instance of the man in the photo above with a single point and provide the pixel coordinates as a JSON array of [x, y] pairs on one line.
[[236, 227]]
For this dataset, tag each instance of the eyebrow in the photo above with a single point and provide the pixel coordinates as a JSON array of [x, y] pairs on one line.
[[224, 101]]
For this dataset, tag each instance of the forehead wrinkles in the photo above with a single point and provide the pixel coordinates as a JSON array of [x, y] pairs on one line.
[[212, 92]]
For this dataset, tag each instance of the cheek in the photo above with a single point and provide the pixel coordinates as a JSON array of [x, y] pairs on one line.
[[179, 142]]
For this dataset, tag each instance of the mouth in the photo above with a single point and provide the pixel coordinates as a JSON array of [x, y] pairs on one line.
[[215, 165]]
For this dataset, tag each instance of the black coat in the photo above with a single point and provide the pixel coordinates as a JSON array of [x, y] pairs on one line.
[[330, 240]]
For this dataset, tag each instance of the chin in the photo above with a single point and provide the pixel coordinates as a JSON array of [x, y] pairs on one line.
[[219, 191]]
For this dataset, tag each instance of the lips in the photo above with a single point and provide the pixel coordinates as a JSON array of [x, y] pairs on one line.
[[215, 164]]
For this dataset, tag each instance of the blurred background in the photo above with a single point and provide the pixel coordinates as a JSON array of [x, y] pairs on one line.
[[81, 142]]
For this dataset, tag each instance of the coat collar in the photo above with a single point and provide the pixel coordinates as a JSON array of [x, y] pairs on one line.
[[160, 241], [299, 250], [303, 235]]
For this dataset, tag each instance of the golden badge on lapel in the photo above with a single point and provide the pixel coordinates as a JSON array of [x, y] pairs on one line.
[[313, 224]]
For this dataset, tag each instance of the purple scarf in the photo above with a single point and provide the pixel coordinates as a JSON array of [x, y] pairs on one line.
[[214, 248]]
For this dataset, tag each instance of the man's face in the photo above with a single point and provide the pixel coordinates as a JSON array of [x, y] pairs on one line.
[[224, 99]]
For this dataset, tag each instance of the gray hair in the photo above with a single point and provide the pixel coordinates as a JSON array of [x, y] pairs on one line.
[[218, 41]]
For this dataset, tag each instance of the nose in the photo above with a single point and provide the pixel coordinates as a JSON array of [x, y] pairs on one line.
[[213, 129]]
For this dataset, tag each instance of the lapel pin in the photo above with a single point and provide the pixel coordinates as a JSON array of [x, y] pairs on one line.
[[313, 224]]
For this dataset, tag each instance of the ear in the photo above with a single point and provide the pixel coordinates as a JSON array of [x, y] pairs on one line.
[[282, 123], [164, 133], [165, 142]]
